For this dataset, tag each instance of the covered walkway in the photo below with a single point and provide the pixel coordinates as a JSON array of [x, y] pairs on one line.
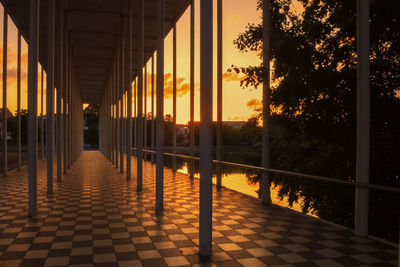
[[97, 217], [107, 208]]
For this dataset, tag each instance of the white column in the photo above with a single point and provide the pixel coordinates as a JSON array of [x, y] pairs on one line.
[[33, 53], [4, 117], [59, 93], [152, 108], [363, 118], [65, 97], [115, 112], [192, 135], [71, 111], [112, 114], [121, 91], [129, 96], [265, 181], [174, 97], [114, 149], [19, 100], [140, 95], [160, 107], [109, 115], [145, 110], [41, 114], [206, 129], [135, 114], [50, 95], [219, 93], [117, 120]]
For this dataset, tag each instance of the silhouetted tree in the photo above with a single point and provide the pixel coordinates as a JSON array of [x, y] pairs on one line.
[[314, 73], [91, 117]]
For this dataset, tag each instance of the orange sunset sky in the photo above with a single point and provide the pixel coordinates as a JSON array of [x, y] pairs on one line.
[[238, 103]]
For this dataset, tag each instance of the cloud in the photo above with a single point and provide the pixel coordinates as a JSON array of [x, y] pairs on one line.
[[12, 66], [231, 77], [182, 86], [233, 118], [254, 103]]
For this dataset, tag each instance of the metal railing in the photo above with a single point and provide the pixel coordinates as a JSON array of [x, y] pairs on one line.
[[286, 173]]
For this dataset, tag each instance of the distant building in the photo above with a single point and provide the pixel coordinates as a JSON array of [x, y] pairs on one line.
[[235, 124], [9, 115]]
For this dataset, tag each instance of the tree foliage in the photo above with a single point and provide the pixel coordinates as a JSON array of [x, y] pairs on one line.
[[91, 118], [314, 70]]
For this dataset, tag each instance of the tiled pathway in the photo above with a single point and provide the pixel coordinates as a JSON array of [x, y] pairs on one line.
[[96, 218]]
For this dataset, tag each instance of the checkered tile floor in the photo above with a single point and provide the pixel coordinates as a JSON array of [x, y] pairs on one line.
[[96, 218]]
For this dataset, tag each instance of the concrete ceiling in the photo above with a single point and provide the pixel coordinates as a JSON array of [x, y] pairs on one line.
[[95, 29]]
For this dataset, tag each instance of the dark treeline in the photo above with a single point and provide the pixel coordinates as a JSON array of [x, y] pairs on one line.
[[91, 130], [249, 135]]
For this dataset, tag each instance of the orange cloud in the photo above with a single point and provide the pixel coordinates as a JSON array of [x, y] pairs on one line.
[[182, 87], [231, 77], [254, 104], [12, 65]]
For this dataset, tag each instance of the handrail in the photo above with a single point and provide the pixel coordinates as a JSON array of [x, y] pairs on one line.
[[287, 173]]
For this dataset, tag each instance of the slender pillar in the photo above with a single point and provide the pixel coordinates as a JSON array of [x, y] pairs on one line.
[[145, 109], [112, 114], [363, 118], [115, 115], [265, 181], [69, 106], [219, 92], [129, 95], [206, 130], [70, 88], [125, 115], [5, 117], [174, 97], [117, 111], [72, 118], [140, 94], [110, 117], [121, 90], [65, 96], [160, 107], [19, 100], [41, 114], [135, 114], [191, 125], [59, 93], [33, 52], [50, 96], [152, 108]]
